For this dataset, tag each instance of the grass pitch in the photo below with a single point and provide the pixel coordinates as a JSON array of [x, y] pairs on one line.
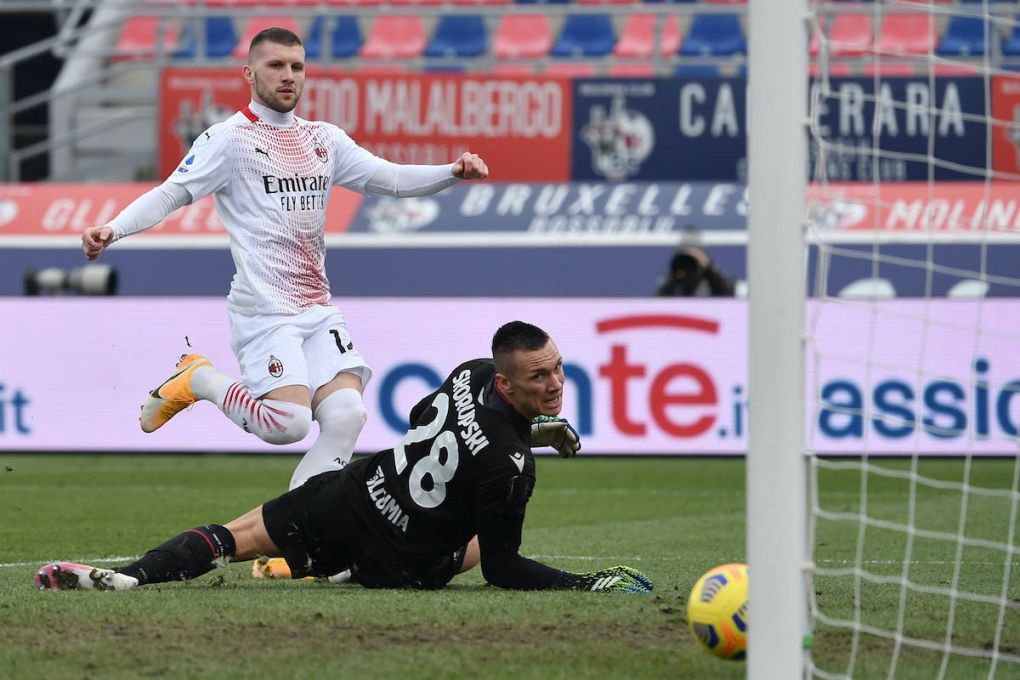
[[586, 514], [671, 518]]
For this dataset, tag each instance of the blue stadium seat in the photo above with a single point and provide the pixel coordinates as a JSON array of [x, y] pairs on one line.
[[964, 37], [714, 34], [1012, 46], [345, 39], [585, 35], [220, 38], [458, 35]]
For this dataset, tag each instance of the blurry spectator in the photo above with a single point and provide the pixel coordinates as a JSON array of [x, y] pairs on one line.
[[692, 273]]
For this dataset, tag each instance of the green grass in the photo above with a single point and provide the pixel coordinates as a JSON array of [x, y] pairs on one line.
[[656, 515], [671, 518]]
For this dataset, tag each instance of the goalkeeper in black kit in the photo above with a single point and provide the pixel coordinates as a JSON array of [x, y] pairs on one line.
[[407, 517]]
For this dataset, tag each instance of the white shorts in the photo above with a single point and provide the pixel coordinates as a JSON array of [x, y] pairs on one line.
[[308, 349]]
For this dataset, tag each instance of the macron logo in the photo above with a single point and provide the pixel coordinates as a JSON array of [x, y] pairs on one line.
[[518, 460]]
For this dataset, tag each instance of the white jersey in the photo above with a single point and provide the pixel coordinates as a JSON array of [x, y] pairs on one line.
[[271, 175]]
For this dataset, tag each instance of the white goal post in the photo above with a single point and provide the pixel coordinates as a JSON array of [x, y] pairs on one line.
[[776, 493], [883, 475]]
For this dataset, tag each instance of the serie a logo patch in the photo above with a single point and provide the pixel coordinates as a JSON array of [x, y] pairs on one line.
[[275, 367]]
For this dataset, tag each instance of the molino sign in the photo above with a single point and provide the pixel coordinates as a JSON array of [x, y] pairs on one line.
[[661, 377]]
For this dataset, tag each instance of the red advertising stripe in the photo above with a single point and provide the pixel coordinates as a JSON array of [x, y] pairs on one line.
[[519, 124], [691, 323], [62, 210], [918, 207]]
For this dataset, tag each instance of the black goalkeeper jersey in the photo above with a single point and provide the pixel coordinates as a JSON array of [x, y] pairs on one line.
[[464, 468]]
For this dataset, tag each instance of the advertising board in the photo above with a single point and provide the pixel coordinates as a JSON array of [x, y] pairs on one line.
[[661, 377]]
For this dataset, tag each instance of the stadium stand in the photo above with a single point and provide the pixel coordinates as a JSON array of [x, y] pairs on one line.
[[714, 35], [615, 38], [906, 34], [585, 35], [964, 37], [522, 36], [458, 36], [345, 38], [1011, 46], [220, 38], [850, 35], [143, 37], [395, 37], [637, 39], [259, 23]]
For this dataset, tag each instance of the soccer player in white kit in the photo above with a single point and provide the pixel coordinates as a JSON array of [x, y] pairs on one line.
[[270, 174]]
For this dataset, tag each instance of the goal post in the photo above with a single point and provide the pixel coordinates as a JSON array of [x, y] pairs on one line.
[[776, 470]]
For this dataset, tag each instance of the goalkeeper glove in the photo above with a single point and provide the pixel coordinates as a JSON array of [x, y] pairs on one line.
[[619, 579], [557, 433]]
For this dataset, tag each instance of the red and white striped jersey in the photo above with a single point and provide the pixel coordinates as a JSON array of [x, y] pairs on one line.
[[271, 174]]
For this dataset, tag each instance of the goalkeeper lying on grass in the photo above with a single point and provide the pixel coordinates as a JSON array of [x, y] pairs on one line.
[[405, 517]]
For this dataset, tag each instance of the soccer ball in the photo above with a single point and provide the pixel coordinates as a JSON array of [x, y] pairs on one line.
[[717, 611]]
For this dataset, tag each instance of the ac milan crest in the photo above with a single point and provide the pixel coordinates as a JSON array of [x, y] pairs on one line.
[[321, 153], [275, 367]]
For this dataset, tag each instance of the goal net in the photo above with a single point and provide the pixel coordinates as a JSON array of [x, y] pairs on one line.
[[913, 339]]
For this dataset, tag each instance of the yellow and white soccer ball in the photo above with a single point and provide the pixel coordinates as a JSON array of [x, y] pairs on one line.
[[717, 611]]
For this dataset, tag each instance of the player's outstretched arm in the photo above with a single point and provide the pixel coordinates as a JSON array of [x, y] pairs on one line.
[[470, 166], [145, 211], [95, 239]]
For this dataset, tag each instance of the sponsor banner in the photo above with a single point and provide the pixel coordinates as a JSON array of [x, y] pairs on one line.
[[641, 211], [1006, 134], [910, 114], [519, 124], [570, 209], [919, 207], [660, 129], [643, 376], [65, 210]]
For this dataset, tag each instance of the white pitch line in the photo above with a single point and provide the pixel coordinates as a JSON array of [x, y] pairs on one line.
[[83, 560], [131, 558]]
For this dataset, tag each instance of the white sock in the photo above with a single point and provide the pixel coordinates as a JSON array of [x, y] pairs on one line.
[[271, 420], [341, 417]]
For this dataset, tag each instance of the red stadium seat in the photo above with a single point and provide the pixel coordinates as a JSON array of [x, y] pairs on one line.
[[139, 39], [260, 23], [638, 36], [522, 35], [419, 3], [481, 2], [395, 37], [908, 34], [850, 35]]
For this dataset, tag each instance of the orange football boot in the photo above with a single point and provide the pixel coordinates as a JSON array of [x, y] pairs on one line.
[[173, 396]]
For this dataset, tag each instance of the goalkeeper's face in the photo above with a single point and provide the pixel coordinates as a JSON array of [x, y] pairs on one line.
[[276, 74], [534, 384]]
